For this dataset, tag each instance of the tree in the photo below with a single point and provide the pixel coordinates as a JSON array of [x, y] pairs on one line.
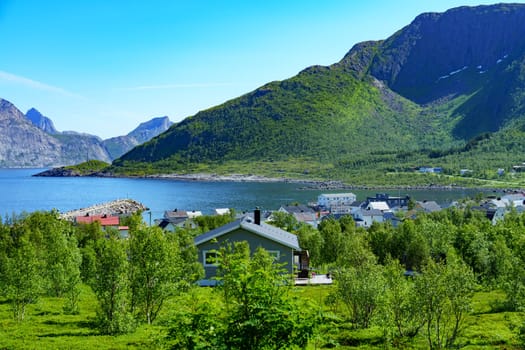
[[155, 265], [310, 239], [284, 220], [409, 246], [401, 314], [360, 288], [196, 323], [332, 240], [444, 295], [71, 287], [110, 284], [209, 222], [380, 238], [23, 279], [261, 314]]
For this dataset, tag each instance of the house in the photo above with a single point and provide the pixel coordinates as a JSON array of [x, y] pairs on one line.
[[392, 201], [283, 245], [178, 218], [382, 206], [222, 211], [336, 202], [166, 225], [105, 221], [194, 213], [301, 213], [432, 170], [365, 218], [428, 206]]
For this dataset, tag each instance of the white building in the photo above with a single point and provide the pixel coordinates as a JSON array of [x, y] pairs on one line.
[[330, 200], [381, 206]]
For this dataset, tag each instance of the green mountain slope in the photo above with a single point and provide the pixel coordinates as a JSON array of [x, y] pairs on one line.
[[415, 98]]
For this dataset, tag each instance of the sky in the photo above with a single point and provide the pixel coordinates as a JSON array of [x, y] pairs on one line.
[[105, 66]]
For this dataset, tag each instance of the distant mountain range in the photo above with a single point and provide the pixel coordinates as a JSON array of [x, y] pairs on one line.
[[31, 140], [431, 89]]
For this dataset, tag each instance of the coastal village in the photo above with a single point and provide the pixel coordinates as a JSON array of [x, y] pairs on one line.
[[256, 227]]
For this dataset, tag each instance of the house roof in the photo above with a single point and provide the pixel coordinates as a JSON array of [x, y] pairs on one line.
[[175, 214], [194, 213], [105, 220], [222, 211], [378, 206], [296, 209], [305, 217], [372, 212], [430, 206], [264, 230]]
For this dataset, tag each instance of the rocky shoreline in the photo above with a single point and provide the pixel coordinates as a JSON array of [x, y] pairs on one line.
[[116, 207], [304, 184]]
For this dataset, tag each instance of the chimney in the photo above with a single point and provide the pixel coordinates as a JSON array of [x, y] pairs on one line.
[[257, 216]]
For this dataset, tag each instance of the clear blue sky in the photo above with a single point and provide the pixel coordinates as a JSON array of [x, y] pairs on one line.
[[104, 66]]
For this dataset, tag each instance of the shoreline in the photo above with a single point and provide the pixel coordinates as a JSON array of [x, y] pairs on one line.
[[329, 185], [307, 184]]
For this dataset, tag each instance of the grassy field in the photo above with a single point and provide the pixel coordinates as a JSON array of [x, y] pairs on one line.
[[47, 327]]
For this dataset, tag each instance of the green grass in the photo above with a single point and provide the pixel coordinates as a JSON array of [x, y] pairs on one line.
[[88, 167], [47, 327]]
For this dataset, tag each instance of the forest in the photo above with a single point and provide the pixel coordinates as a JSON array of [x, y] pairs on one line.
[[449, 279]]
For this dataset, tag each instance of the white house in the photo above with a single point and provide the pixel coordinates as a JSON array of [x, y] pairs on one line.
[[330, 200], [381, 206], [365, 218]]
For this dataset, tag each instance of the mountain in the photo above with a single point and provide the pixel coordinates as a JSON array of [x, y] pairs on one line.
[[147, 130], [24, 145], [430, 88], [31, 140], [40, 121], [119, 145]]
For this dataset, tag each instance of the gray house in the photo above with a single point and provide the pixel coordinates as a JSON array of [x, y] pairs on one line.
[[283, 245]]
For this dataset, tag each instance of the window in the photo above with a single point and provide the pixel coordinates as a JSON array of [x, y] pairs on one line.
[[210, 257], [275, 254]]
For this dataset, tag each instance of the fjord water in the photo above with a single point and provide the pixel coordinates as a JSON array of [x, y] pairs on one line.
[[21, 192]]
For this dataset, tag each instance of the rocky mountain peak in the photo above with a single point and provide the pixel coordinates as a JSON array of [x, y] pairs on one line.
[[41, 121], [435, 46], [145, 131]]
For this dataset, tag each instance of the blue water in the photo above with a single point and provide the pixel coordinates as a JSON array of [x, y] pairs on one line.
[[20, 192]]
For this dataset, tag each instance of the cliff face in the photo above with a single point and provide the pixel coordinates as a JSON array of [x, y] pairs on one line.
[[32, 140], [450, 53], [117, 146], [40, 121], [22, 144]]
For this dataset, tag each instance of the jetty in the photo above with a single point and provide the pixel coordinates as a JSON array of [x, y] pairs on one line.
[[114, 208]]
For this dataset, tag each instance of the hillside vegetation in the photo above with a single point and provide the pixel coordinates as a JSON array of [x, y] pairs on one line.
[[445, 91]]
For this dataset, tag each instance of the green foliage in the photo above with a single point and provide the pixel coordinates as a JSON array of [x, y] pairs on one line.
[[89, 167], [284, 220], [443, 294], [400, 312], [22, 279], [360, 289], [260, 312], [196, 323], [310, 239], [111, 286], [156, 271], [209, 222]]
